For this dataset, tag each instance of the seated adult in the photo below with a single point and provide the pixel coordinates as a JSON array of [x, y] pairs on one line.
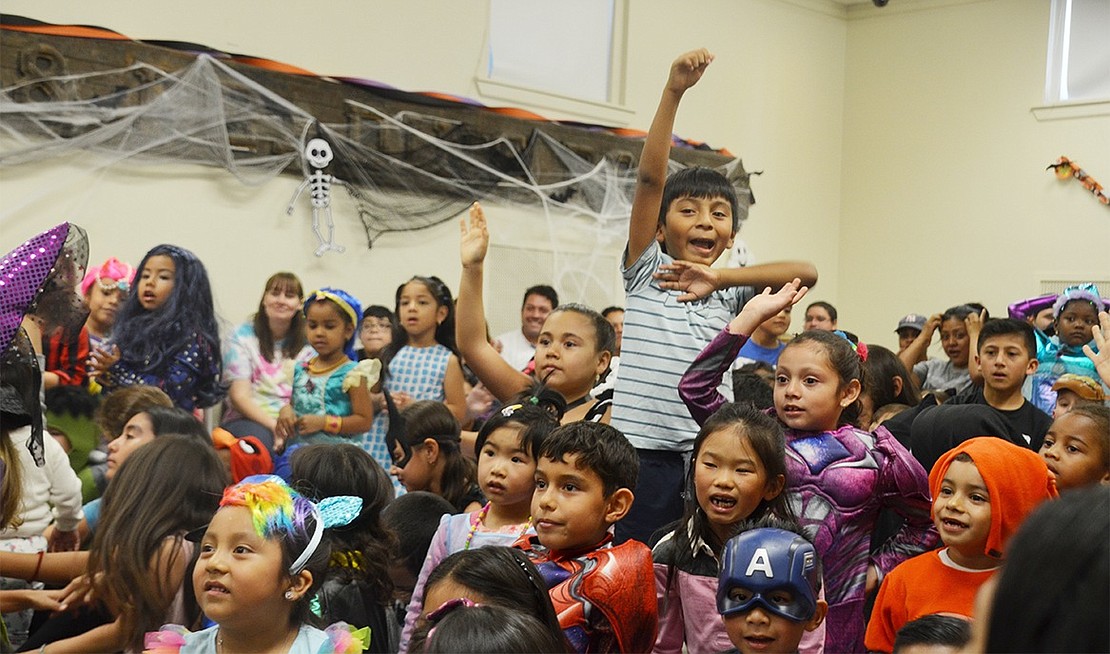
[[259, 357], [518, 346]]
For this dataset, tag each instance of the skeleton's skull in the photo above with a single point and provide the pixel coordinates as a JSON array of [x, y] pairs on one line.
[[318, 152]]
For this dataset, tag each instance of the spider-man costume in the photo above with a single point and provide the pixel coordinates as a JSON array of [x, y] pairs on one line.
[[604, 596]]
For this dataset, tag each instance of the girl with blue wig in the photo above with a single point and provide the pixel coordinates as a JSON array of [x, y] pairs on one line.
[[331, 391], [166, 334]]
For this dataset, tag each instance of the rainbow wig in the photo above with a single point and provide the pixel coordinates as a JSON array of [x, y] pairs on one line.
[[115, 272], [348, 306], [278, 512]]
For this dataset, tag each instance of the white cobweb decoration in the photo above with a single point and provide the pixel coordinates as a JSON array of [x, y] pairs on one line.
[[210, 114]]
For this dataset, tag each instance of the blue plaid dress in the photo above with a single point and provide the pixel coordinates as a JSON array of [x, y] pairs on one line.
[[418, 371]]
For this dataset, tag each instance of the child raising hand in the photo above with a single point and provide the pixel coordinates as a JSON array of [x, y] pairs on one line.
[[680, 225]]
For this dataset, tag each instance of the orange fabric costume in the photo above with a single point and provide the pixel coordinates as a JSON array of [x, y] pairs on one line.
[[1017, 481]]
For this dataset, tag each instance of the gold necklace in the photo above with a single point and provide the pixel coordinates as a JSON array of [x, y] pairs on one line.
[[320, 371]]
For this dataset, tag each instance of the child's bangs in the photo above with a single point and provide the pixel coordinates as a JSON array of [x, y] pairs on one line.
[[700, 182]]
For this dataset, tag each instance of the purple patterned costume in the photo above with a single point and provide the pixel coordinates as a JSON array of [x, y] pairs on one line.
[[837, 482]]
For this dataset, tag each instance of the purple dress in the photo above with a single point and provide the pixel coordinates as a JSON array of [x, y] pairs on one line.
[[837, 482]]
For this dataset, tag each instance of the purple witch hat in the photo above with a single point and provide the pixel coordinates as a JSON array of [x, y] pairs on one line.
[[39, 277]]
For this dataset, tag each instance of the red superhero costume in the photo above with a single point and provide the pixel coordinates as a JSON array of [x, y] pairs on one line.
[[604, 596]]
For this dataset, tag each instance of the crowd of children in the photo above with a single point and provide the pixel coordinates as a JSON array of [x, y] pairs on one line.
[[857, 499]]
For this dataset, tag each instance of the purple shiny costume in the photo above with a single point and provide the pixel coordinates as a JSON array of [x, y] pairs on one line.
[[837, 482]]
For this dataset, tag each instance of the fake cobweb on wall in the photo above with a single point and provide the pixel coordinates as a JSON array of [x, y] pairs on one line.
[[196, 114]]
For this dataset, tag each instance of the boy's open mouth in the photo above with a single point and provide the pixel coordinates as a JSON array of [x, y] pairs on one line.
[[705, 244]]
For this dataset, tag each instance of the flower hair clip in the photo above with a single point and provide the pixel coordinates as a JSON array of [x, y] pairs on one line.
[[859, 348]]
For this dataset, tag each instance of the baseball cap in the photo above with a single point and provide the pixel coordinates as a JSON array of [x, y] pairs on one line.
[[913, 320]]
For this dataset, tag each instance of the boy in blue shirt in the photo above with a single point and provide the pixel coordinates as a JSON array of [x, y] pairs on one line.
[[679, 226]]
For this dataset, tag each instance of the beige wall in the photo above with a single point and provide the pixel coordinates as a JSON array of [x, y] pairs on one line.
[[894, 143], [746, 103], [946, 198]]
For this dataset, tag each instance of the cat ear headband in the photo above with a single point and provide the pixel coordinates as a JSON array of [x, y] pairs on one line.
[[275, 507], [337, 511]]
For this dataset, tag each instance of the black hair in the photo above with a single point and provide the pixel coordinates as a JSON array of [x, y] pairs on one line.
[[881, 367], [543, 290], [396, 332], [829, 309], [148, 340], [503, 576], [995, 327], [414, 518], [379, 311], [751, 388], [1052, 593], [492, 629], [844, 360], [604, 334], [534, 422], [1099, 414], [961, 311], [765, 437], [599, 448], [71, 400], [329, 470], [174, 421], [933, 629], [608, 310], [445, 331], [426, 419], [699, 182], [296, 338]]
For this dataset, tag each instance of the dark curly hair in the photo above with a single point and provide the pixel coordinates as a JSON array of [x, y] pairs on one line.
[[148, 340]]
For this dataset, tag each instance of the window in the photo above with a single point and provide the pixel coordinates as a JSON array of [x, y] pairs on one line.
[[1078, 67], [566, 56]]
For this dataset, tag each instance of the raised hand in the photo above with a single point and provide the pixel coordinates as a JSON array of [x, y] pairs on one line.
[[1101, 335], [766, 305], [688, 69], [473, 238]]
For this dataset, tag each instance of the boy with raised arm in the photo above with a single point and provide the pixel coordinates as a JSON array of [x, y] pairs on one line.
[[676, 303]]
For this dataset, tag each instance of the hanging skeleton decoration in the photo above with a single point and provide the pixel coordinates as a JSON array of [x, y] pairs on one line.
[[319, 154]]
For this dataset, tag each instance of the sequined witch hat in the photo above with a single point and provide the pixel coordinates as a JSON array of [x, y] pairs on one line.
[[37, 278]]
